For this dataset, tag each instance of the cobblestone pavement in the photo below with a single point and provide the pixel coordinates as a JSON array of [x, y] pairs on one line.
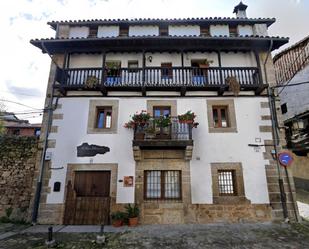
[[176, 236]]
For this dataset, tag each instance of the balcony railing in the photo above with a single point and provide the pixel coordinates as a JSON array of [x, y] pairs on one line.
[[158, 77], [167, 129]]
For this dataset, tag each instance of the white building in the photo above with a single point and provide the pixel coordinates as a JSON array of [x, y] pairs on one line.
[[104, 71]]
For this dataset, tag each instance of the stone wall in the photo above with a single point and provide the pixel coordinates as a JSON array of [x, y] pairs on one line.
[[17, 165], [300, 169]]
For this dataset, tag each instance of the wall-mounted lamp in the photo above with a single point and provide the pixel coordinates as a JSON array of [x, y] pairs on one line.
[[149, 58]]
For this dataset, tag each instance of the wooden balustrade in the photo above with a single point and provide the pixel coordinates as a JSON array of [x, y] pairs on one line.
[[158, 77]]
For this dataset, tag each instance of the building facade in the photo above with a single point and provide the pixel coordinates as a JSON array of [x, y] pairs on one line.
[[217, 168], [292, 71]]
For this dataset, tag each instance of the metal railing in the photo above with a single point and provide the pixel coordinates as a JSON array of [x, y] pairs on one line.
[[163, 128]]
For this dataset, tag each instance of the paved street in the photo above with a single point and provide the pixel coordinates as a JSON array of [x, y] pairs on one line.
[[264, 235]]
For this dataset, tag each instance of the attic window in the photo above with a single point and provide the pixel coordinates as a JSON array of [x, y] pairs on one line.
[[123, 31], [233, 31], [93, 31], [163, 31], [205, 31]]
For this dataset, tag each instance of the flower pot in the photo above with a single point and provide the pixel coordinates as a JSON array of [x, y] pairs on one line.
[[139, 135], [133, 222], [186, 121], [117, 223]]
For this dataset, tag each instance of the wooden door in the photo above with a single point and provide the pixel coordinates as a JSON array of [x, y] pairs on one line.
[[88, 200]]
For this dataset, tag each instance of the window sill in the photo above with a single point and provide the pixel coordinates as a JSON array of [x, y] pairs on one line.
[[222, 130], [102, 131]]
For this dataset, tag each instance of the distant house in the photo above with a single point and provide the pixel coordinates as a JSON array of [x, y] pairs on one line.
[[292, 71], [19, 127], [105, 71]]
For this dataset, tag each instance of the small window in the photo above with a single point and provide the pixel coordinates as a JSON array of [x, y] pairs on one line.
[[284, 108], [166, 70], [233, 31], [133, 66], [205, 31], [123, 31], [163, 185], [220, 116], [93, 31], [104, 118], [159, 111], [163, 30], [227, 182], [16, 132]]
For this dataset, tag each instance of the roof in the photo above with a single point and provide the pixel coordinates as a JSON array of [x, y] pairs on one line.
[[152, 43], [158, 21], [297, 44], [23, 125]]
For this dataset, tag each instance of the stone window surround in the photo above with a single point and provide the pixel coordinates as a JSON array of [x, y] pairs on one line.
[[171, 103], [240, 190], [92, 116], [231, 116]]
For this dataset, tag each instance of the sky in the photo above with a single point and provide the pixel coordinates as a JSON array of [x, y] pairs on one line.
[[24, 69]]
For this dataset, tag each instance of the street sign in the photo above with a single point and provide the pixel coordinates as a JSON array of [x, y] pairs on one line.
[[285, 158]]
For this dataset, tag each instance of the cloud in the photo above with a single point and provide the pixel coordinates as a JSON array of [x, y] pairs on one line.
[[23, 92]]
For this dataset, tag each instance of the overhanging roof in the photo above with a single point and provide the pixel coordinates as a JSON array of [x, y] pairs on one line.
[[158, 43], [175, 21]]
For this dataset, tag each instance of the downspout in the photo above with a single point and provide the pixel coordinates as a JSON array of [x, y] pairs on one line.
[[270, 92], [37, 196]]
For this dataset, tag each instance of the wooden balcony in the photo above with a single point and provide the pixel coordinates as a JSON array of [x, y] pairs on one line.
[[159, 79], [169, 132]]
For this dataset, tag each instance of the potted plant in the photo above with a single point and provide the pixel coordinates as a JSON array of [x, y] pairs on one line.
[[117, 218], [162, 125], [138, 122], [132, 213], [187, 118], [205, 63]]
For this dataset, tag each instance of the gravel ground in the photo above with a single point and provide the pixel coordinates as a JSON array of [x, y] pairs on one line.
[[178, 237]]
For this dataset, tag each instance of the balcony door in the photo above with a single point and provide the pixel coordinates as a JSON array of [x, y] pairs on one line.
[[113, 72], [162, 126]]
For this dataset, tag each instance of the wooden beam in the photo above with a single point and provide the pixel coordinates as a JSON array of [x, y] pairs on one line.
[[103, 78], [258, 63]]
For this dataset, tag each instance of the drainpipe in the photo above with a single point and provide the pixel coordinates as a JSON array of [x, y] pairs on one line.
[[42, 161], [270, 92]]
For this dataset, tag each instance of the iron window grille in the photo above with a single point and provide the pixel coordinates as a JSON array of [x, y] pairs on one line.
[[162, 185], [227, 182]]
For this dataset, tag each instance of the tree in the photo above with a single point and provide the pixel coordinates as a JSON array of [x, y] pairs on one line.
[[2, 110]]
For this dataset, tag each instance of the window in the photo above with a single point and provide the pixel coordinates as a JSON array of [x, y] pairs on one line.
[[163, 184], [163, 30], [93, 31], [104, 118], [166, 70], [123, 31], [233, 31], [161, 111], [133, 66], [220, 116], [284, 108], [205, 31], [227, 182]]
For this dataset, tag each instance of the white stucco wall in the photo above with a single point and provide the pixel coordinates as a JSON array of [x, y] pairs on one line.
[[181, 30], [108, 31], [142, 30], [208, 147], [79, 32], [216, 30], [245, 30], [228, 59], [260, 29], [296, 97]]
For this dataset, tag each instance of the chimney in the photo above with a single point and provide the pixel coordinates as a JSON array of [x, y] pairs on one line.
[[240, 10]]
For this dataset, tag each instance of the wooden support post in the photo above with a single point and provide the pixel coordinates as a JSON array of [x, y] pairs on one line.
[[258, 63], [103, 75], [220, 66], [144, 76], [183, 88]]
